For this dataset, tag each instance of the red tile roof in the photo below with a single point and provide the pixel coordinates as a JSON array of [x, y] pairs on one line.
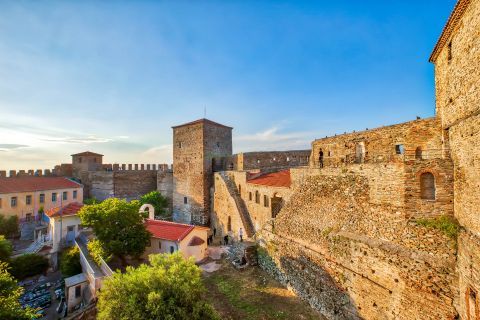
[[29, 184], [87, 153], [202, 121], [275, 179], [69, 210], [168, 230]]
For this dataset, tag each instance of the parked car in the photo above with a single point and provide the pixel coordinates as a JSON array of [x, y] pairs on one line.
[[59, 293]]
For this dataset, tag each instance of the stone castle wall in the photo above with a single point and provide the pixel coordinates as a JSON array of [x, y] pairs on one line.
[[457, 85], [379, 145], [266, 160], [351, 255]]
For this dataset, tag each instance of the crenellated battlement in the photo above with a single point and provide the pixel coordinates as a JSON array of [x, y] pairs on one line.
[[27, 173], [137, 167]]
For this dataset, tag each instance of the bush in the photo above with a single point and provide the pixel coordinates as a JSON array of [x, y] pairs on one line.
[[9, 226], [447, 224], [98, 252], [5, 249], [28, 265], [169, 288], [70, 262]]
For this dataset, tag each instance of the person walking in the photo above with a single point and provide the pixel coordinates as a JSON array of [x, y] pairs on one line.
[[320, 158], [240, 233]]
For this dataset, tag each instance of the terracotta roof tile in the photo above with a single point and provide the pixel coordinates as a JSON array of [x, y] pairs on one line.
[[29, 184], [168, 230], [68, 210], [276, 179]]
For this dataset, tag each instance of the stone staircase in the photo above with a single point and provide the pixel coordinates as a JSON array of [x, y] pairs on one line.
[[36, 246], [241, 207]]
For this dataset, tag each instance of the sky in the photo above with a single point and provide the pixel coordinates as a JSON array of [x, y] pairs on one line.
[[113, 77]]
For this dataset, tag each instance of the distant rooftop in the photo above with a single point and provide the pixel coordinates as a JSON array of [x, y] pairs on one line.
[[168, 230], [69, 210], [275, 179], [30, 184], [87, 153], [203, 120]]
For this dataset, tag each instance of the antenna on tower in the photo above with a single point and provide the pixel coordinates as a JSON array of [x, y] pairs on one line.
[[205, 112]]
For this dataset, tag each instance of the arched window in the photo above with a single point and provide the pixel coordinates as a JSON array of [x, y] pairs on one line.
[[427, 186], [229, 225], [257, 197], [418, 153], [240, 189]]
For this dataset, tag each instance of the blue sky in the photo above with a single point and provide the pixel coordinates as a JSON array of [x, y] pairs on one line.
[[114, 76]]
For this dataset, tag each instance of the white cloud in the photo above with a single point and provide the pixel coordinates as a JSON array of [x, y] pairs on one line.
[[273, 139], [158, 154]]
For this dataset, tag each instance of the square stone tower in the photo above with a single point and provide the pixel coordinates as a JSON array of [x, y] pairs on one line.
[[196, 146], [86, 161]]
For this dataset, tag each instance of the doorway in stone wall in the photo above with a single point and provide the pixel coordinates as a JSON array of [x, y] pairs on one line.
[[277, 204], [360, 152]]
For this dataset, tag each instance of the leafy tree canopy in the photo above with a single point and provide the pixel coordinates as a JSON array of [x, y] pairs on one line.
[[159, 202], [10, 308], [169, 288], [5, 249], [117, 225], [70, 262]]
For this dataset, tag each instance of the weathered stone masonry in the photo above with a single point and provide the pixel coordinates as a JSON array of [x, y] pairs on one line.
[[457, 86]]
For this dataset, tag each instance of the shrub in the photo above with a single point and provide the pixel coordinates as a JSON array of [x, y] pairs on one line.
[[446, 224], [9, 226], [169, 288], [28, 265], [5, 249], [70, 262], [98, 252]]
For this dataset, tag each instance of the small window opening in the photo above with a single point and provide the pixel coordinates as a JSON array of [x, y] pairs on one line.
[[185, 200], [399, 149], [449, 51]]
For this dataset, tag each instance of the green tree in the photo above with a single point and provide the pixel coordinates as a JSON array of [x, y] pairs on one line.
[[10, 292], [70, 262], [159, 202], [5, 249], [28, 265], [118, 226], [8, 226], [169, 288]]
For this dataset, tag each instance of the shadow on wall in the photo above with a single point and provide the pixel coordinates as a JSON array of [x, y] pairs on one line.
[[313, 284]]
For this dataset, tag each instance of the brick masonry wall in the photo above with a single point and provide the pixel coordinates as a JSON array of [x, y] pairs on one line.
[[351, 257], [457, 85]]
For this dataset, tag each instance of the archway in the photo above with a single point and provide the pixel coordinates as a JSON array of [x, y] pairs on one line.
[[427, 186], [277, 204]]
